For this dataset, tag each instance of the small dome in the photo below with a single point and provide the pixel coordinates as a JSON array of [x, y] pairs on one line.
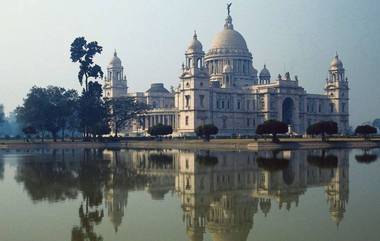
[[336, 63], [227, 69], [264, 73], [157, 88], [195, 45], [115, 62]]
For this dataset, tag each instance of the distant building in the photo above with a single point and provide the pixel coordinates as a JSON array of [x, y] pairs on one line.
[[224, 88]]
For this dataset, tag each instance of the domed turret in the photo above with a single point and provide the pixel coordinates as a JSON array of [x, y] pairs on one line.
[[264, 75], [336, 63], [115, 82], [115, 61], [195, 45], [265, 206]]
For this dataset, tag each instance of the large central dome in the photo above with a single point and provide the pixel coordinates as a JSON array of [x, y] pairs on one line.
[[229, 38], [229, 51]]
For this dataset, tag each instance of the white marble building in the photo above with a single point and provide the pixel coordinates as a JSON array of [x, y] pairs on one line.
[[223, 87]]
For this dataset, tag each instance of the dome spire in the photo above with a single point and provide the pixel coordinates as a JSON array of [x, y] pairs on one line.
[[115, 53], [228, 24], [195, 36]]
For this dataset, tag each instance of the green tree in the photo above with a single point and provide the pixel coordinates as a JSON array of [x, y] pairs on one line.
[[160, 130], [46, 109], [34, 111], [205, 131], [83, 53], [123, 110], [323, 128], [272, 127], [365, 130], [29, 131]]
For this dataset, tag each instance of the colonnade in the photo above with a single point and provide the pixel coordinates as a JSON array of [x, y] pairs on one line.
[[153, 119]]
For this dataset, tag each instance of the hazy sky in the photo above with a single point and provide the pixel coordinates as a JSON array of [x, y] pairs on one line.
[[299, 36]]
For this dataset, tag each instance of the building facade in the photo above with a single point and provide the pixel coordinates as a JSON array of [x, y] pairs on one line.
[[223, 88]]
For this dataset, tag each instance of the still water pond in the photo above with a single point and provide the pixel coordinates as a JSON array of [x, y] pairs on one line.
[[141, 195]]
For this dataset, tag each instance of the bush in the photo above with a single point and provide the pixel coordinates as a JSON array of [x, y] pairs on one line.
[[272, 127], [365, 130], [323, 128], [205, 131], [366, 158], [160, 130]]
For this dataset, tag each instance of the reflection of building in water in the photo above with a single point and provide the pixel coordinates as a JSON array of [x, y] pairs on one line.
[[337, 192], [221, 191], [224, 196]]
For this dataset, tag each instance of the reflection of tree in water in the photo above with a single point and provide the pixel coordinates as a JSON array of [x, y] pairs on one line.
[[273, 163], [93, 175], [88, 219], [323, 160], [56, 176], [161, 160], [367, 157], [49, 180], [206, 159]]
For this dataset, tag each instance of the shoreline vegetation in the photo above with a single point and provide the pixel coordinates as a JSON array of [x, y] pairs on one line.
[[194, 144]]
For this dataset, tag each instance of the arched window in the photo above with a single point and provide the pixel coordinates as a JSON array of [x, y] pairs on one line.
[[331, 107], [201, 98], [199, 63], [187, 97]]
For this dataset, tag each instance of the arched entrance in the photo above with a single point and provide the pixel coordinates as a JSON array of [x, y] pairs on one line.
[[288, 111]]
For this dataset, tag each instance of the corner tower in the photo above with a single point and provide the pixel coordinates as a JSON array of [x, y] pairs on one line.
[[338, 92], [115, 82], [193, 93]]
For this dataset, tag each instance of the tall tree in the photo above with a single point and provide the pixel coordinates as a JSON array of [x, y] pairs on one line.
[[83, 53], [93, 113], [123, 111]]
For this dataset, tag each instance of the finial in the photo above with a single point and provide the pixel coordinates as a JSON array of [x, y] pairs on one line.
[[265, 66], [115, 53], [228, 24], [195, 36], [229, 8], [336, 54]]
